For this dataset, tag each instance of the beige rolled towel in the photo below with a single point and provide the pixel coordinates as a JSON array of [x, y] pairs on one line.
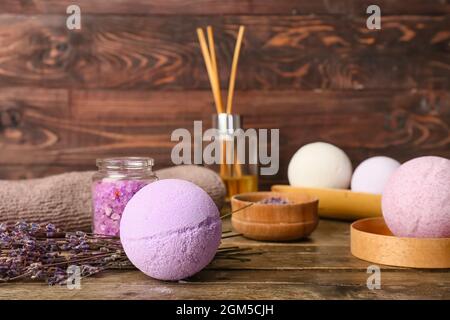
[[65, 199]]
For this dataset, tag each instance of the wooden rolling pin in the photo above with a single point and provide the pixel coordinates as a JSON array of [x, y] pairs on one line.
[[340, 204]]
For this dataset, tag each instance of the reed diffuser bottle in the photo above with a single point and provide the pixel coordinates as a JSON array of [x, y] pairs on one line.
[[239, 165], [238, 171]]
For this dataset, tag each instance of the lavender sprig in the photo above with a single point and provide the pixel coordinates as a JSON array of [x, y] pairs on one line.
[[43, 252]]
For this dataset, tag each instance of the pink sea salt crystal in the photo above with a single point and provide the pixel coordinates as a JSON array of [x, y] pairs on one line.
[[108, 211], [109, 200]]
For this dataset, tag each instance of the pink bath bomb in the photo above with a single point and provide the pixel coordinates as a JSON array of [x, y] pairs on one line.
[[170, 229], [416, 199]]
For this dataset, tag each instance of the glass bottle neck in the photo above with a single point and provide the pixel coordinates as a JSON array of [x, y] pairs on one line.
[[226, 123]]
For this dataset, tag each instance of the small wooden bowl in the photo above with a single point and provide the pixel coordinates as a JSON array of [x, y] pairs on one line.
[[274, 222], [371, 240]]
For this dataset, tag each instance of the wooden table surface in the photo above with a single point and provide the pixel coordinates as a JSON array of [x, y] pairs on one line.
[[318, 268]]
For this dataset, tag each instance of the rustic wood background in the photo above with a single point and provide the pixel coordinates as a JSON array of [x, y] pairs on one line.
[[134, 73]]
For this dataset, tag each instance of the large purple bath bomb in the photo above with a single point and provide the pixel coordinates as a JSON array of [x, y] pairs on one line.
[[170, 229], [416, 199]]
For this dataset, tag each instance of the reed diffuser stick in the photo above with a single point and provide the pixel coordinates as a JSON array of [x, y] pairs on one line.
[[237, 51], [212, 50], [224, 172], [213, 77]]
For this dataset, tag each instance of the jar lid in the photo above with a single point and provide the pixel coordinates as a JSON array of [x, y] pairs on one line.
[[127, 163]]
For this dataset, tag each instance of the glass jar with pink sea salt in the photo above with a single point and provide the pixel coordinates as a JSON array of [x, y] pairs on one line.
[[115, 183]]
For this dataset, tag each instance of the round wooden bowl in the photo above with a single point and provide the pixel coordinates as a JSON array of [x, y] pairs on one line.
[[274, 222], [371, 240]]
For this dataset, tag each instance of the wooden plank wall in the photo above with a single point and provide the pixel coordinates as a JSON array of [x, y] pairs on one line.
[[134, 73]]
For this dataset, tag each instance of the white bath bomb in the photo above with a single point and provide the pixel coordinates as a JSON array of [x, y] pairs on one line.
[[320, 165], [372, 174]]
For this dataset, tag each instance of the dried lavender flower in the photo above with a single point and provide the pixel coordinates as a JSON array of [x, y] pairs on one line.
[[274, 200], [43, 252]]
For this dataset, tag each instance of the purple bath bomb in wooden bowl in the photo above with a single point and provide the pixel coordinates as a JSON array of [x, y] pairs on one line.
[[171, 229], [416, 199]]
